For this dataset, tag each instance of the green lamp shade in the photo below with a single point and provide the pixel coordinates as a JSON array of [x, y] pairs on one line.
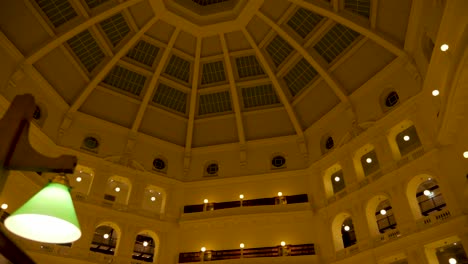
[[49, 216]]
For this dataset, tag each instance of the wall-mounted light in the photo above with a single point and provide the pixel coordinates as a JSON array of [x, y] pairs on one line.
[[347, 228], [153, 198], [105, 236], [4, 206], [280, 194], [78, 179], [117, 189], [337, 179], [465, 154], [452, 261], [241, 245], [444, 47], [406, 138], [369, 160], [145, 243], [203, 249], [241, 196], [435, 92], [427, 193], [383, 212], [283, 243], [205, 201]]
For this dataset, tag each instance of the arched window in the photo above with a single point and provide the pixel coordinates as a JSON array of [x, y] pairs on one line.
[[326, 143], [407, 140], [105, 240], [278, 162], [429, 197], [338, 182], [144, 248], [347, 233], [392, 99], [384, 216], [160, 164], [117, 190], [90, 143]]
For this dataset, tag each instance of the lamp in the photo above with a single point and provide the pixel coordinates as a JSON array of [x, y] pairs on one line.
[[49, 216]]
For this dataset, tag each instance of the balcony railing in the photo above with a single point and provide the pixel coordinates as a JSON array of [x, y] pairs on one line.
[[434, 218]]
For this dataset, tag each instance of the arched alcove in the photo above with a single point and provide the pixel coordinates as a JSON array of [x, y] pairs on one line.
[[343, 231], [106, 238], [403, 139], [365, 161], [146, 246], [118, 190], [424, 195], [82, 180], [379, 214], [154, 199], [329, 182]]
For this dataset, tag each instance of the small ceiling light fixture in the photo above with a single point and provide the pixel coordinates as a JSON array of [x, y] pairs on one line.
[[465, 154], [117, 189], [4, 206], [337, 179], [205, 201], [145, 243], [280, 194], [435, 92], [427, 193], [383, 212], [369, 160], [347, 228], [444, 47], [78, 179], [452, 261], [406, 138], [203, 249], [241, 245], [283, 243], [153, 198], [241, 196], [106, 236]]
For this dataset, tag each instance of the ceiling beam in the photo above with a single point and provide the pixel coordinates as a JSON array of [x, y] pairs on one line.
[[58, 40], [109, 65], [359, 27], [276, 85], [330, 80], [152, 85], [232, 86], [193, 97]]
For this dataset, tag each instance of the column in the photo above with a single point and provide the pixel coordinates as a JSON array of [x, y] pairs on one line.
[[416, 255], [384, 154], [402, 210], [464, 241]]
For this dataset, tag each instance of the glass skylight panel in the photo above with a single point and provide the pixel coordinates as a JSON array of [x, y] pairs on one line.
[[125, 80], [178, 68], [213, 72], [214, 103], [279, 50], [360, 7], [304, 21], [58, 11], [86, 49], [299, 76], [170, 98], [115, 28], [95, 3], [259, 96], [248, 66], [144, 53], [335, 41], [208, 2]]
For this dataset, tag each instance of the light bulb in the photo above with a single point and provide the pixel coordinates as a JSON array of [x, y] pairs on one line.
[[241, 245], [427, 192], [4, 206], [452, 261], [205, 201], [106, 236], [406, 138], [435, 92], [383, 212], [283, 243], [117, 189], [444, 47], [145, 243], [153, 198], [280, 194], [347, 228], [78, 179], [203, 249], [337, 179], [465, 154], [369, 160], [241, 196]]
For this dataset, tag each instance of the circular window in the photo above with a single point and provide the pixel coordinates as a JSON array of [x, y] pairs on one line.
[[278, 161], [212, 169], [91, 143], [37, 113], [392, 99], [329, 144], [159, 164]]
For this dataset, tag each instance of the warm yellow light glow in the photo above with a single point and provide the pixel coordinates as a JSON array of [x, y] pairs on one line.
[[117, 189], [145, 244], [106, 236], [444, 47], [427, 192], [153, 198], [203, 249], [435, 92], [4, 206], [241, 245], [78, 179], [283, 243], [383, 212], [406, 138], [452, 261], [465, 154], [205, 201], [241, 196], [347, 228], [280, 194], [369, 160], [337, 179]]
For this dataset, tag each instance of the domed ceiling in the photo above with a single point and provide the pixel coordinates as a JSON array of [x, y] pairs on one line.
[[206, 72]]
